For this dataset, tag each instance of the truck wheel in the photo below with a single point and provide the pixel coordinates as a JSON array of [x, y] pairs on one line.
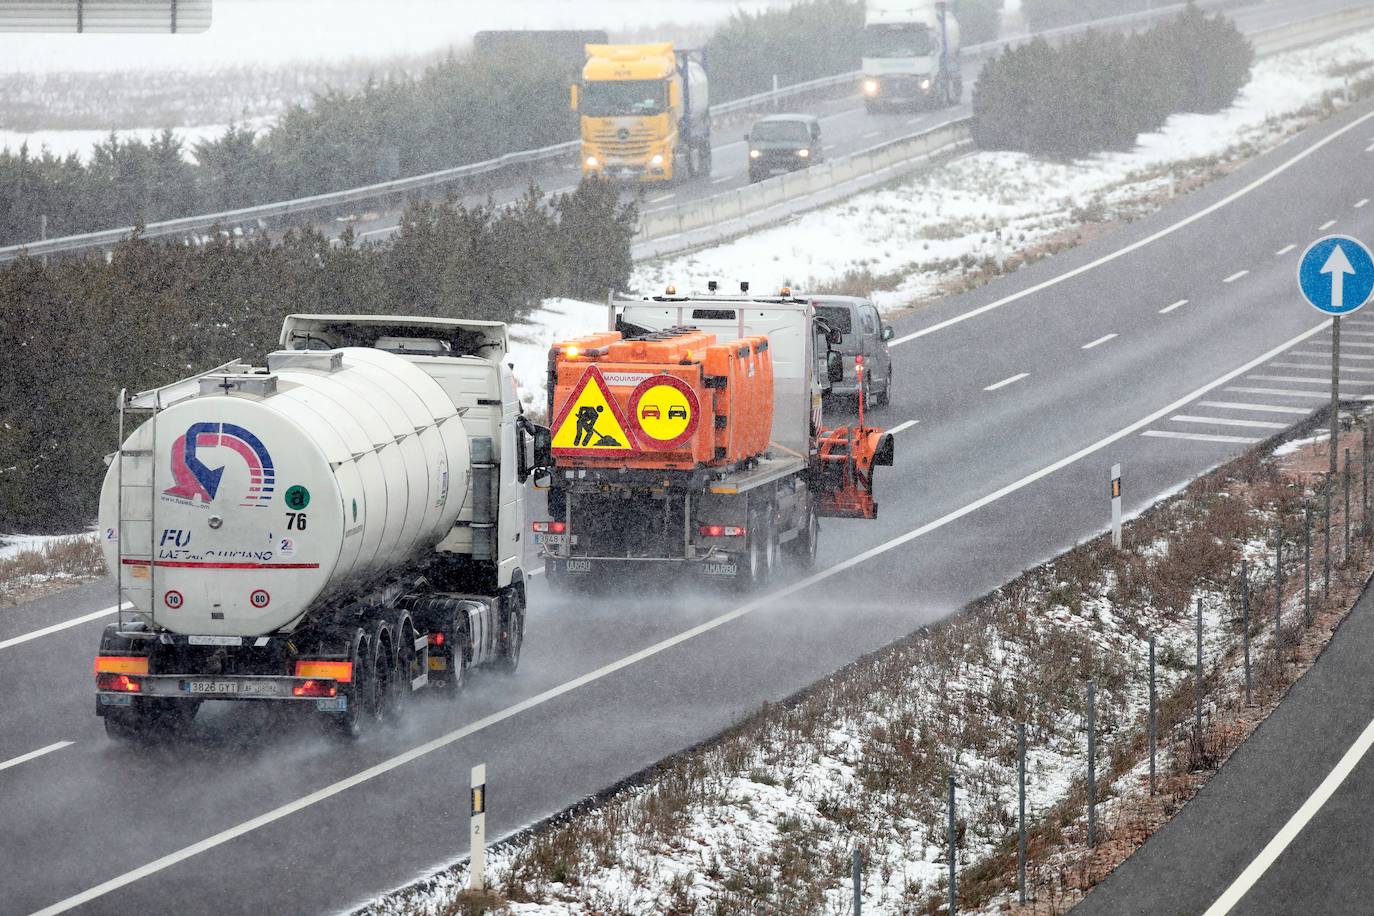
[[513, 639], [361, 713], [402, 658], [706, 158], [802, 550], [884, 397], [771, 552]]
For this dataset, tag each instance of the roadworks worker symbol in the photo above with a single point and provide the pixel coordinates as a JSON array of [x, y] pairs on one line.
[[666, 410], [590, 423]]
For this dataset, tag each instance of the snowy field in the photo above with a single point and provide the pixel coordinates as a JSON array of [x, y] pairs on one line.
[[909, 243], [12, 545]]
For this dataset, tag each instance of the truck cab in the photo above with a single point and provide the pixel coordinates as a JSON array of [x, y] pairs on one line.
[[910, 55], [645, 113]]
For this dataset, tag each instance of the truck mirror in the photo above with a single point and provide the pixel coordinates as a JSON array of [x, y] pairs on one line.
[[543, 446], [888, 333], [529, 440], [674, 95], [572, 96], [834, 338], [834, 366]]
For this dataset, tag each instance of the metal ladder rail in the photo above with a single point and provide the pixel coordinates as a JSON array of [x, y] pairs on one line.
[[124, 511]]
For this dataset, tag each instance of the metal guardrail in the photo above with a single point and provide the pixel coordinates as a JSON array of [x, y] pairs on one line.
[[195, 225]]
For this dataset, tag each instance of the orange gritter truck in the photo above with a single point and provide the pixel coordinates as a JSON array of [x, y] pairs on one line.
[[691, 437]]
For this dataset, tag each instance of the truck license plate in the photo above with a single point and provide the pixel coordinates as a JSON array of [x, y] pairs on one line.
[[333, 704], [720, 569], [577, 566], [258, 688], [212, 687], [552, 540]]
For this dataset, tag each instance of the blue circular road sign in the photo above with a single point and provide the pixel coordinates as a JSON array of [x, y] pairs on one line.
[[1336, 274]]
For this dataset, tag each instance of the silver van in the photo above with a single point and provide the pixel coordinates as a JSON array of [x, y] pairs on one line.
[[865, 334]]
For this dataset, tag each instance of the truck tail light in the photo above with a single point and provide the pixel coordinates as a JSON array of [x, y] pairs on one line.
[[120, 683], [314, 688], [436, 639], [335, 671], [722, 531], [549, 527]]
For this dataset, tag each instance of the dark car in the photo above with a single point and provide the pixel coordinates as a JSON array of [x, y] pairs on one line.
[[783, 143]]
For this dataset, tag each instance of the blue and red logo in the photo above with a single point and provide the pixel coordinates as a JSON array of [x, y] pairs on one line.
[[195, 478]]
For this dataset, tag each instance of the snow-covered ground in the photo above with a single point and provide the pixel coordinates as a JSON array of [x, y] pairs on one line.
[[910, 242], [82, 142], [11, 545]]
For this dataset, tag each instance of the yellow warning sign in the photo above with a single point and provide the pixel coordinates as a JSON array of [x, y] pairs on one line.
[[590, 423]]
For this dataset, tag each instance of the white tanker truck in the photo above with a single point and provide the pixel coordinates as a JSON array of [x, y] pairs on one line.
[[336, 529]]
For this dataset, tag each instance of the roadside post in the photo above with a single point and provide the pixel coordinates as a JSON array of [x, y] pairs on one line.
[[953, 855], [1307, 566], [1197, 682], [1326, 539], [1336, 276], [1278, 593], [1244, 623], [1116, 506], [1092, 766], [858, 871], [1154, 738], [1021, 815], [477, 879], [1346, 553]]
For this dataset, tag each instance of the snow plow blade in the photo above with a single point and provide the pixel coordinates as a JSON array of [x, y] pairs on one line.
[[844, 470]]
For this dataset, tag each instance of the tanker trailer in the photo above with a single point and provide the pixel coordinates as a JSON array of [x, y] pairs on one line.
[[336, 529]]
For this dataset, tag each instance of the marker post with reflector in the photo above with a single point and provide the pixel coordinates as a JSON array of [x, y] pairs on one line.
[[1116, 506], [478, 837]]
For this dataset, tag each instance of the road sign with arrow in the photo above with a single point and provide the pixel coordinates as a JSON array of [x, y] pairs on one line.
[[1336, 274]]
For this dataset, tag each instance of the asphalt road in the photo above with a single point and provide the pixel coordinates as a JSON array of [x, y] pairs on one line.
[[846, 127], [1015, 421]]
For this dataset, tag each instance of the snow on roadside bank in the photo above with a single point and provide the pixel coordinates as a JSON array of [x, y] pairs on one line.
[[12, 545], [910, 241], [530, 339]]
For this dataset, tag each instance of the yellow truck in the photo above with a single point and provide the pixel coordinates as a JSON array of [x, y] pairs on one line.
[[645, 113]]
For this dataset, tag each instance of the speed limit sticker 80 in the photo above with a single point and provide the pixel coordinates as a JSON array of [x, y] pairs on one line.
[[259, 598]]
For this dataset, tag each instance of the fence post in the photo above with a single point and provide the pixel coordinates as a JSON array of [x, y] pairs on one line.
[[1197, 680], [1116, 506], [1154, 739], [1278, 587], [1245, 622], [1021, 805], [953, 861], [1326, 538], [1364, 480], [858, 869], [1092, 765], [1345, 555], [1307, 566], [478, 837]]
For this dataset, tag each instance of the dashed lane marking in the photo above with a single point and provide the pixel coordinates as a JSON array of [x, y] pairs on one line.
[[25, 758], [1007, 381], [1360, 203], [1235, 276], [1260, 408], [1282, 392], [1284, 250], [1227, 421], [1326, 225], [1318, 367], [75, 621], [1101, 340], [1169, 308], [1303, 380], [901, 426], [1201, 437]]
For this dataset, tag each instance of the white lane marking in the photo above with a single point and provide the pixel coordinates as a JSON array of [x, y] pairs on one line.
[[564, 190], [1199, 437], [1370, 148], [1360, 203], [1007, 381], [901, 426], [1100, 340], [914, 120], [1169, 308], [24, 758], [1326, 225], [1141, 243], [1345, 333], [870, 135], [537, 571], [74, 622], [1327, 355], [1289, 831], [662, 197], [1344, 343], [1304, 380], [363, 235], [1235, 276], [1260, 408], [1284, 250], [721, 178], [1318, 367], [828, 147], [1227, 421], [1283, 392], [657, 648]]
